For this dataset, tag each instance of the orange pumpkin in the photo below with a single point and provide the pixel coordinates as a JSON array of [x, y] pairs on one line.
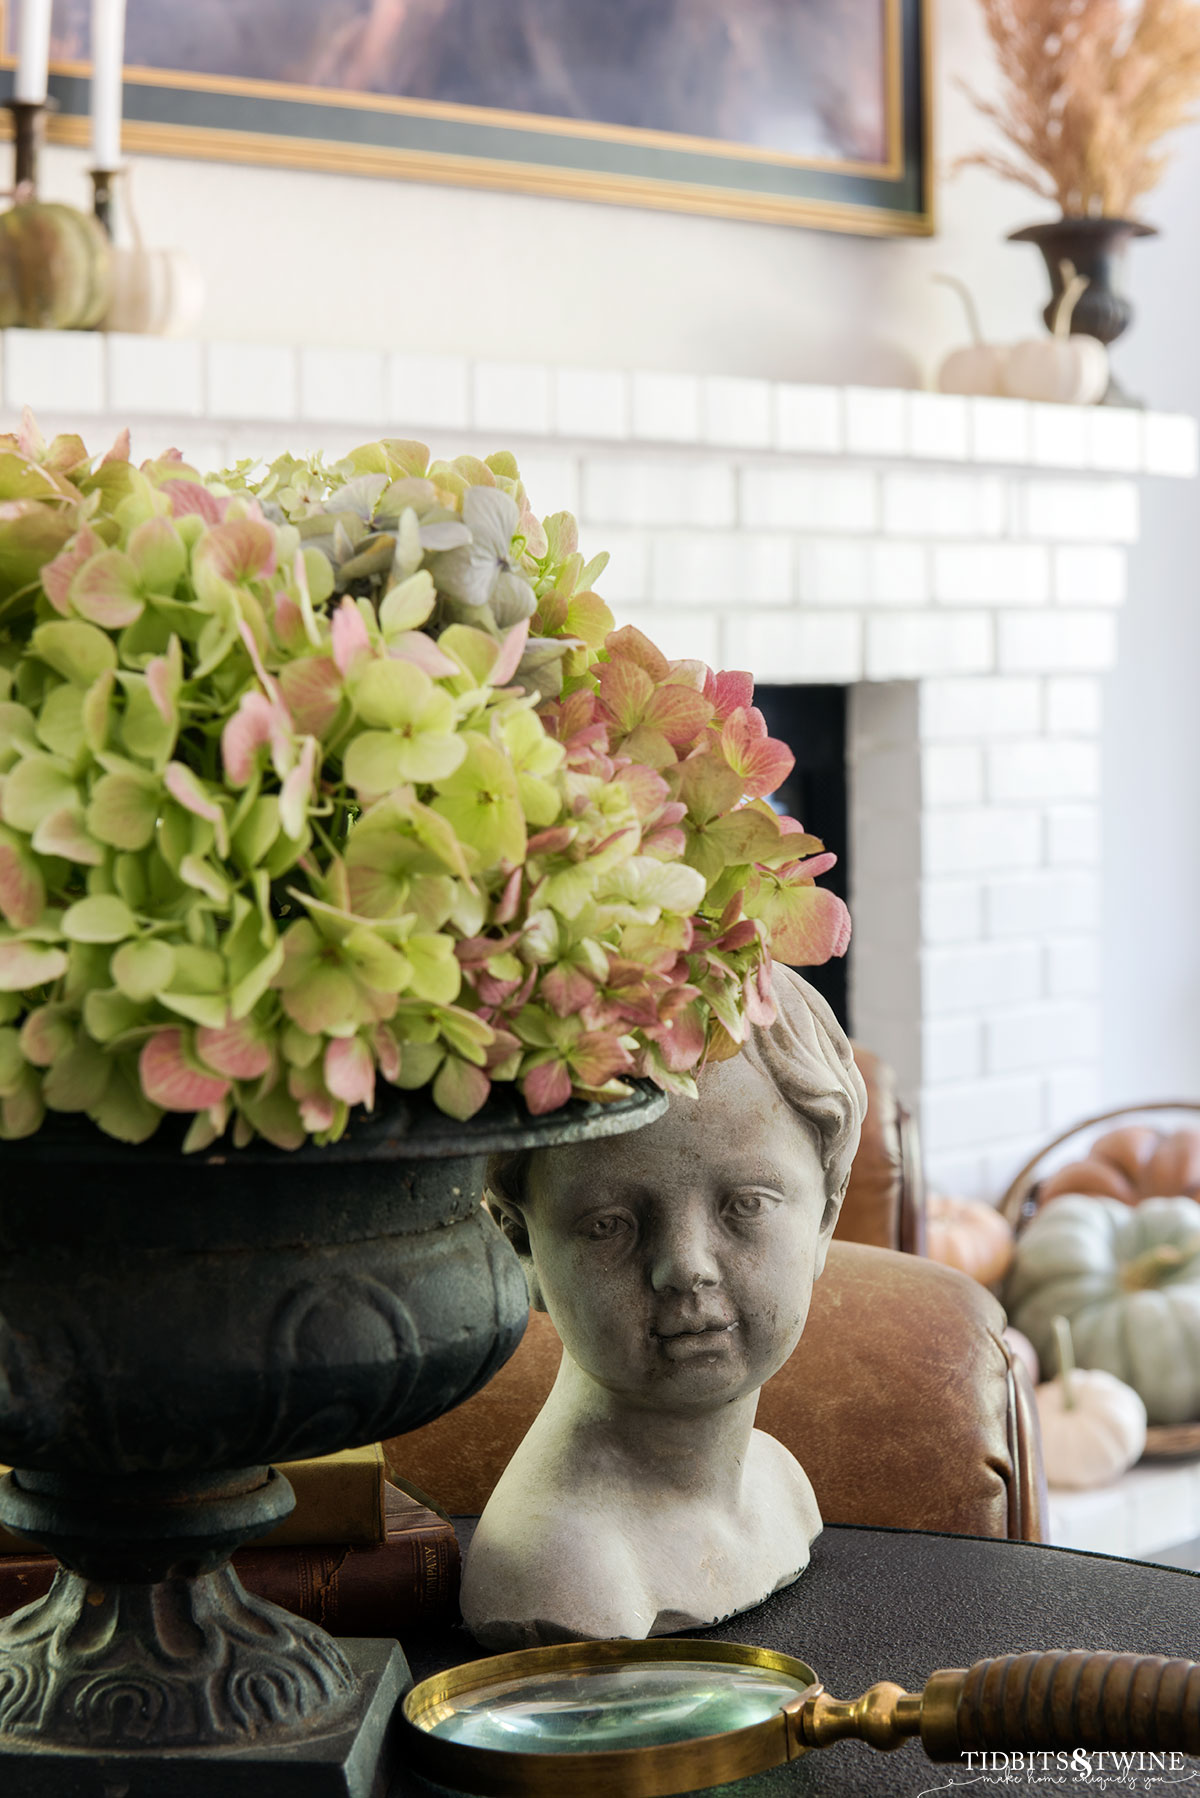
[[1132, 1164], [968, 1234]]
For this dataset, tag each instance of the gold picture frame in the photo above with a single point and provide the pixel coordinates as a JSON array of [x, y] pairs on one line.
[[237, 118]]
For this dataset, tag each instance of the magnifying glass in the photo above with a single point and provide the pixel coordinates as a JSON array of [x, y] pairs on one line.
[[651, 1719]]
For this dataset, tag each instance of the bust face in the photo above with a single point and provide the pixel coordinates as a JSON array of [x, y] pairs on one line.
[[677, 1262]]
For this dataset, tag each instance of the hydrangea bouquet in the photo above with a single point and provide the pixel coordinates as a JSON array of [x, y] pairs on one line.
[[336, 774]]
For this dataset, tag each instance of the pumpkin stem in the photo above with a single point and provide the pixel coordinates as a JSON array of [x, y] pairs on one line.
[[1153, 1266], [1066, 1361], [968, 303], [1073, 291]]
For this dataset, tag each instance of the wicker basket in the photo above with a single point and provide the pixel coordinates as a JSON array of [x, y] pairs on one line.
[[1021, 1202]]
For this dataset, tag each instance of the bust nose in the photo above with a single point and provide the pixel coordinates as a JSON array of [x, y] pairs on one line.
[[682, 1258]]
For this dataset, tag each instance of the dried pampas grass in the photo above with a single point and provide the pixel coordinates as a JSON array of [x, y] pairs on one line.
[[1090, 87]]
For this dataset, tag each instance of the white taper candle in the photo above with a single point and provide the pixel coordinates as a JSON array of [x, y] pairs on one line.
[[33, 51], [108, 54]]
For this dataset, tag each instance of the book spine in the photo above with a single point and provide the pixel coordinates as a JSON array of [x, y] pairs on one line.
[[374, 1591]]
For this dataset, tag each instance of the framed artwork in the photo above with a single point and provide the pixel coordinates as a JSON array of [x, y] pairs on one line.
[[812, 112]]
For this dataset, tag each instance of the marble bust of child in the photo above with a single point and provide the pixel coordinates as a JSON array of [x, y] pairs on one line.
[[677, 1265]]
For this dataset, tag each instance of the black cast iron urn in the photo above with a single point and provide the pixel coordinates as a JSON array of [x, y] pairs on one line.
[[171, 1325]]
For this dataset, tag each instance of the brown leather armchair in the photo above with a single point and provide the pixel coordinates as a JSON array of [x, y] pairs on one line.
[[901, 1402], [885, 1200]]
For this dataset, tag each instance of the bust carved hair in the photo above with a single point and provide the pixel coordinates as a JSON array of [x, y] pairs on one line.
[[677, 1265]]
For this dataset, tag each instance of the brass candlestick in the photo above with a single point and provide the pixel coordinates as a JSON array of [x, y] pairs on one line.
[[28, 128]]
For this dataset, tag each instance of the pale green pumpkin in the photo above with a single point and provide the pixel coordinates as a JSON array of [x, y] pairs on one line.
[[1128, 1281]]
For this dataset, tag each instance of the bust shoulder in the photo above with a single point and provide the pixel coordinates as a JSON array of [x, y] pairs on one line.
[[560, 1577]]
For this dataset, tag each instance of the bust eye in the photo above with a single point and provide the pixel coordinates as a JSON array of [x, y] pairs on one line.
[[607, 1228], [748, 1206]]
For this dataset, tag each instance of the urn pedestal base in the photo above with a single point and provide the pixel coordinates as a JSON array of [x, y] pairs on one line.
[[356, 1759]]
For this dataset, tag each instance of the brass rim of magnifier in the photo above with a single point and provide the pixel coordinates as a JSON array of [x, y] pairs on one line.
[[654, 1771]]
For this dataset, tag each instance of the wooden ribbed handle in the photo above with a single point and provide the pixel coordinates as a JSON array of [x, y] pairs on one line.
[[1064, 1700]]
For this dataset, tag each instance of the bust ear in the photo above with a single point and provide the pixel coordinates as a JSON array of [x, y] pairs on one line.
[[510, 1220], [829, 1218]]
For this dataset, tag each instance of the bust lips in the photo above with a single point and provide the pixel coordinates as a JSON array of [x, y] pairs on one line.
[[679, 1341]]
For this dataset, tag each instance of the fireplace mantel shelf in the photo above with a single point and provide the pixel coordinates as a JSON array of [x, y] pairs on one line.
[[84, 374], [957, 563]]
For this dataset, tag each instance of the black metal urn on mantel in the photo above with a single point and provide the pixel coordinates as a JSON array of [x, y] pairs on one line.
[[171, 1325], [1096, 248]]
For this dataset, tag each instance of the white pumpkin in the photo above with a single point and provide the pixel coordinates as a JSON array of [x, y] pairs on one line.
[[1067, 370], [977, 367], [158, 293], [1022, 1350], [1093, 1425]]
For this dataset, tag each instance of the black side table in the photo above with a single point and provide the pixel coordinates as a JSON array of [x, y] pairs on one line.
[[898, 1604]]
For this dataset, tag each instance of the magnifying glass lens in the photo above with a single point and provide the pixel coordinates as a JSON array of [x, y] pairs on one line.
[[639, 1705]]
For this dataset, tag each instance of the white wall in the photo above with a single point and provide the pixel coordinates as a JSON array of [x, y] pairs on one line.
[[327, 259], [1152, 710], [337, 259]]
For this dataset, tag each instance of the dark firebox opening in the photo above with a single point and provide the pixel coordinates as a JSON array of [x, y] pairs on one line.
[[812, 722]]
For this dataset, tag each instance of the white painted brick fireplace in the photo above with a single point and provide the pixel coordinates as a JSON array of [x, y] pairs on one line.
[[956, 563]]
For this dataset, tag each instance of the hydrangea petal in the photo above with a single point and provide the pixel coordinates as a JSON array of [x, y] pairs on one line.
[[168, 1079], [235, 1050], [350, 1071], [25, 965]]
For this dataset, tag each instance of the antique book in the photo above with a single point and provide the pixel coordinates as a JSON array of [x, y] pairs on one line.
[[370, 1589], [339, 1498]]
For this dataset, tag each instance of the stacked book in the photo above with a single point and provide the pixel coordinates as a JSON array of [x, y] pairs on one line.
[[357, 1555]]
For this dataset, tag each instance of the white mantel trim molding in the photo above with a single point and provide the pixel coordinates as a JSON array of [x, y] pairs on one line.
[[957, 562]]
